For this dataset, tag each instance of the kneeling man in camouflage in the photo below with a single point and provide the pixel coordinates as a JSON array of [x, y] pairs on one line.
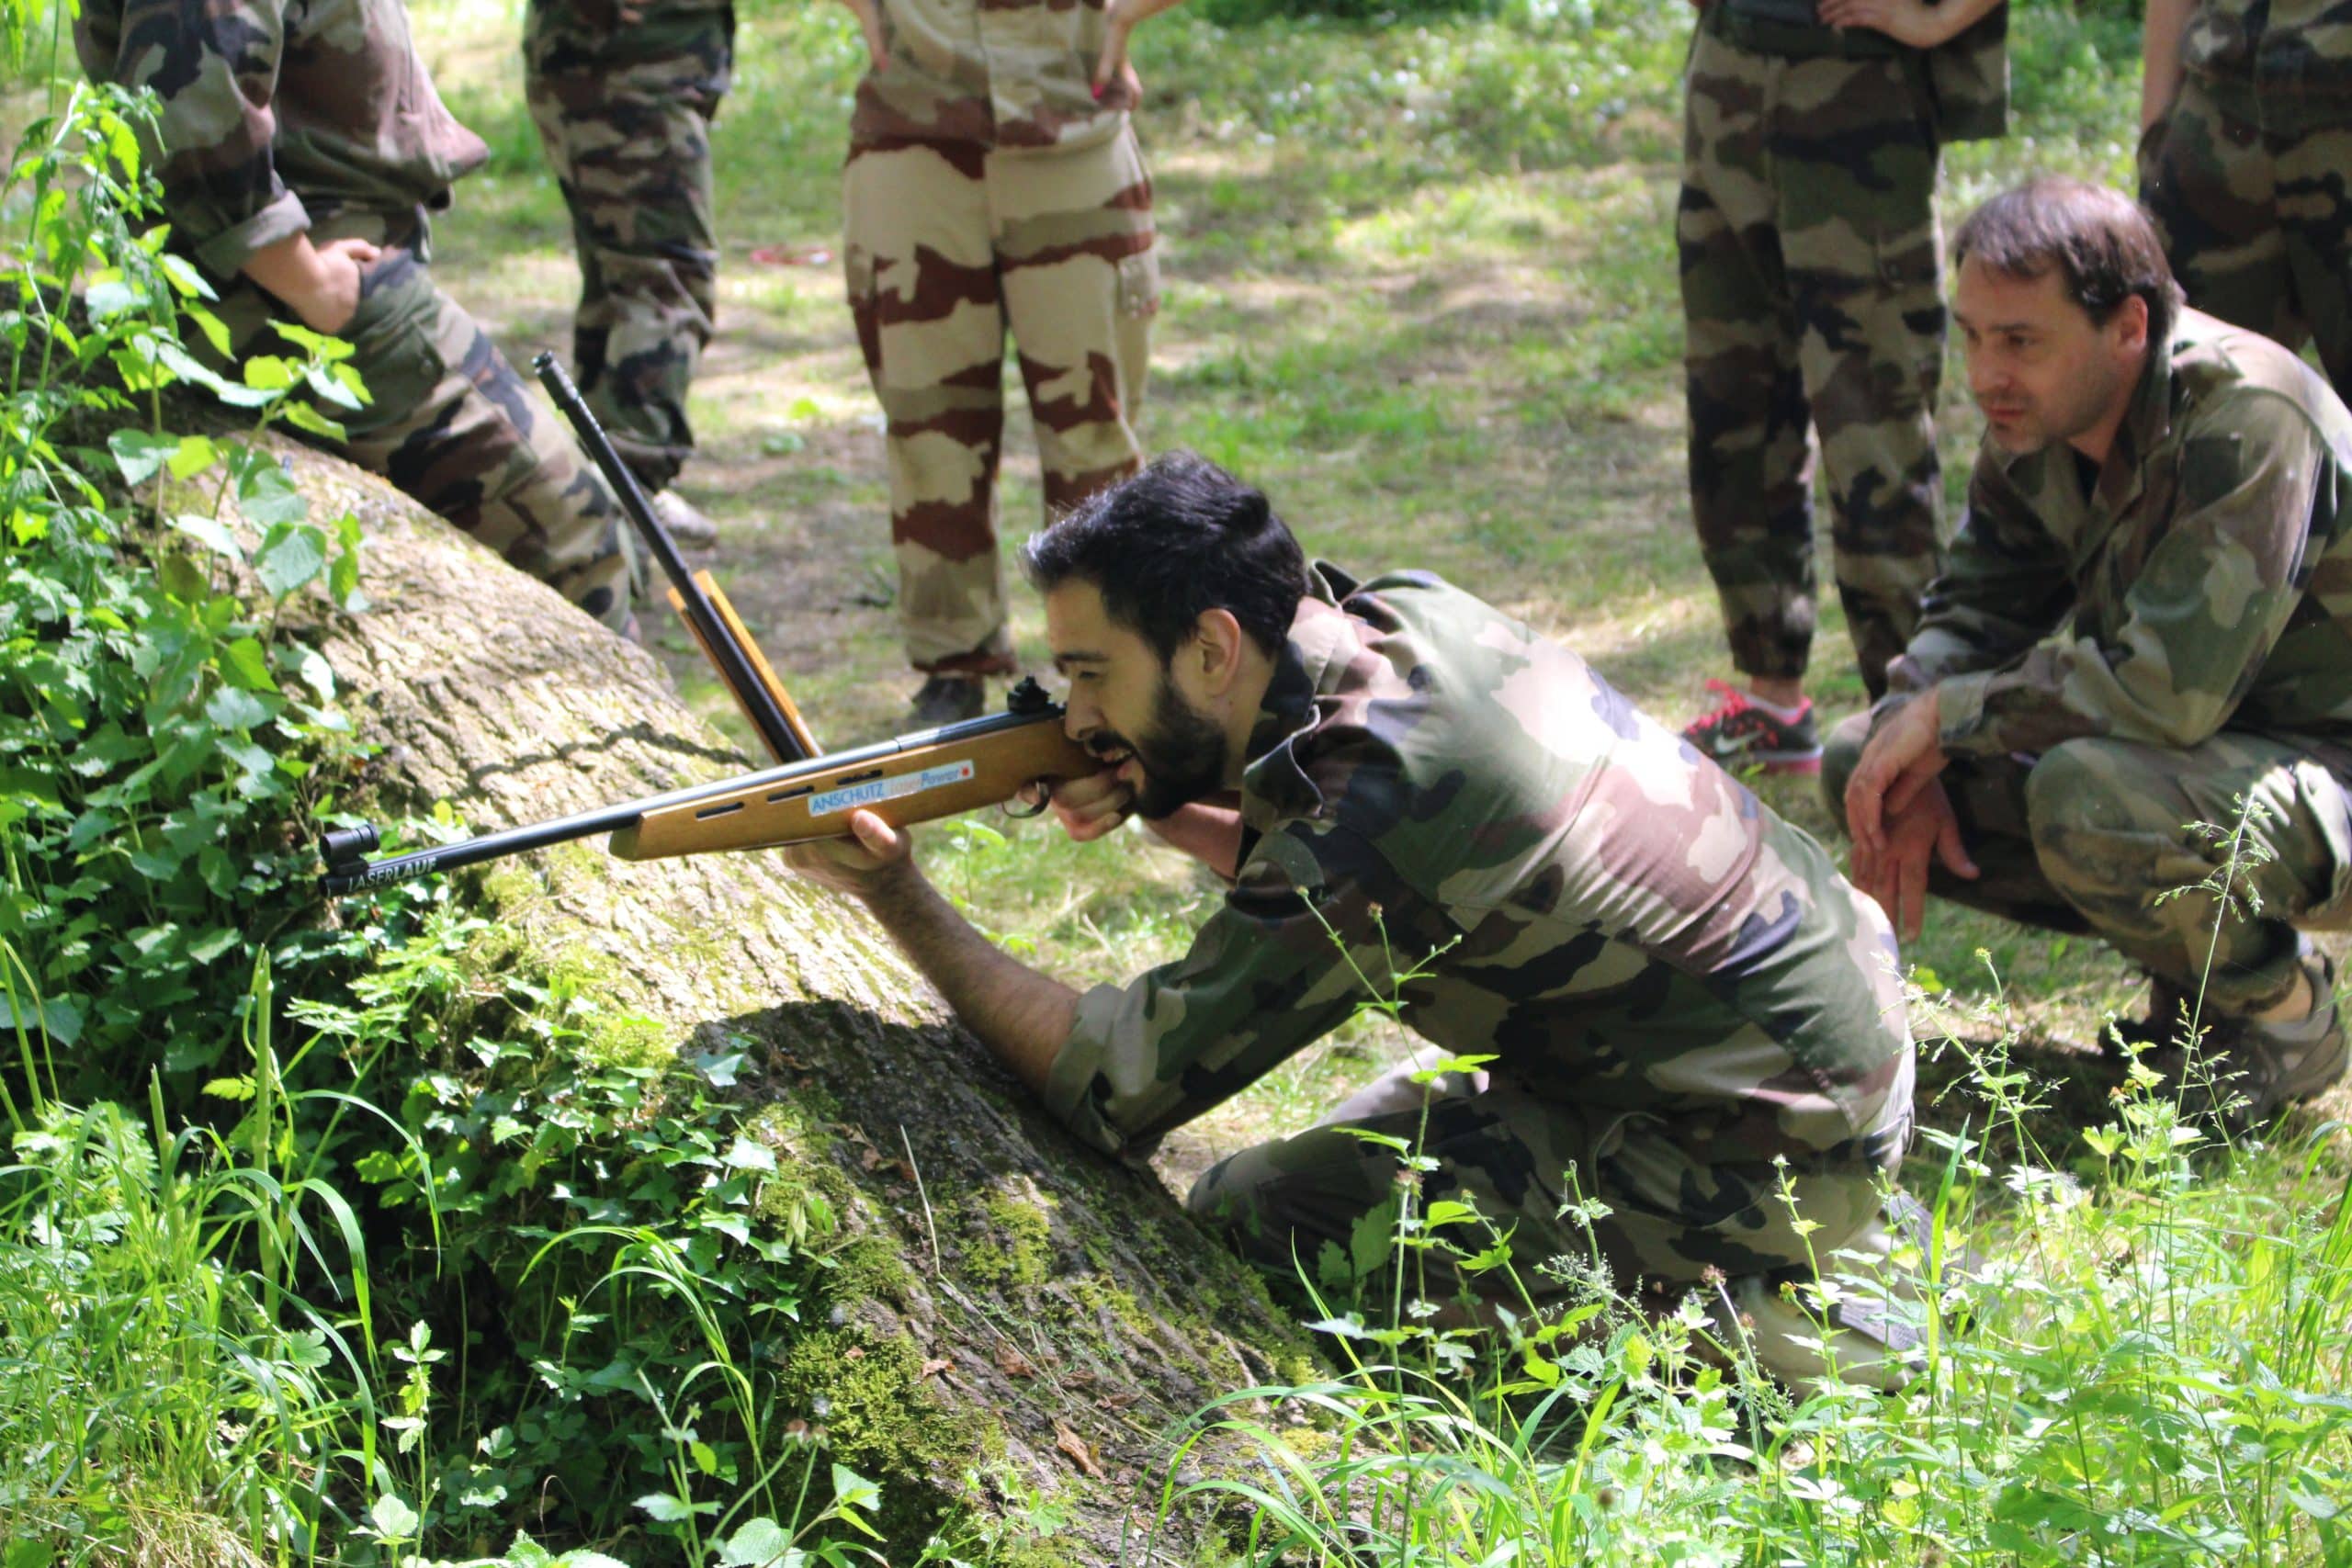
[[1693, 1021], [2128, 707]]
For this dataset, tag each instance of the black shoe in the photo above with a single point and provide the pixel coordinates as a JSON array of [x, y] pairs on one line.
[[948, 699]]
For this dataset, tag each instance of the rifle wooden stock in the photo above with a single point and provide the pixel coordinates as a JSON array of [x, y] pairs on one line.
[[733, 624], [940, 777], [914, 778]]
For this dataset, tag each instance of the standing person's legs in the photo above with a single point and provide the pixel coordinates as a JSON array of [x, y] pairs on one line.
[[2315, 218], [924, 288], [1751, 477], [1864, 254], [624, 110], [2206, 178], [1075, 240]]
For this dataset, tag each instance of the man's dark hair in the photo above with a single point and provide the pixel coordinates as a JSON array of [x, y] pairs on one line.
[[1180, 537], [2103, 245]]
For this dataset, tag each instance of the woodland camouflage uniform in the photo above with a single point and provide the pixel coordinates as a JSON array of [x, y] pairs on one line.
[[1676, 987], [2246, 174], [2209, 659], [278, 119], [1812, 298], [986, 188], [624, 109]]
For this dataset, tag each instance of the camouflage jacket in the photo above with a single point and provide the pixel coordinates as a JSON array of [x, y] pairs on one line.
[[1446, 809], [2280, 46], [1015, 74], [2199, 572], [273, 112]]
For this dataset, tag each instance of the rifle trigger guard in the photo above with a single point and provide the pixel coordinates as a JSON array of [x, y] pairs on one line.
[[1010, 806]]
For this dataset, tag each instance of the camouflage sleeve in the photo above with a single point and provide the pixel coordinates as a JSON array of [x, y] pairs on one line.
[[1294, 950], [2005, 586], [2218, 580], [213, 65]]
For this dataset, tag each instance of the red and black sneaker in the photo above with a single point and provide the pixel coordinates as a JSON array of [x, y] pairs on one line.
[[1742, 731]]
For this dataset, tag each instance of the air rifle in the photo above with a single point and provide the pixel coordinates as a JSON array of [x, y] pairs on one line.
[[928, 773], [696, 596]]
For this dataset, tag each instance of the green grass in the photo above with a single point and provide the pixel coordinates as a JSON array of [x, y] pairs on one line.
[[1420, 286]]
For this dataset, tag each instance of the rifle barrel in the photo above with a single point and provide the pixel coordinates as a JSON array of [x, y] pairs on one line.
[[759, 705], [353, 875]]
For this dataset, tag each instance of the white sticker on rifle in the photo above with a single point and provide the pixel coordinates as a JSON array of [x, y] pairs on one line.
[[880, 790]]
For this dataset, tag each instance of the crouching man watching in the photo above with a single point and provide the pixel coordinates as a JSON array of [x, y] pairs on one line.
[[1410, 795], [2142, 639]]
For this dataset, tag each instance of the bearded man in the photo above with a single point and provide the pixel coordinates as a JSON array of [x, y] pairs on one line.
[[1690, 1024], [2128, 707]]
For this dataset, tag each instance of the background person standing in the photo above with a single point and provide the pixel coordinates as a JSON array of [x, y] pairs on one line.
[[994, 183], [1812, 295]]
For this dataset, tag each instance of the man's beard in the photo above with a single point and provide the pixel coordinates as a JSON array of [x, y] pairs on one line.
[[1181, 756]]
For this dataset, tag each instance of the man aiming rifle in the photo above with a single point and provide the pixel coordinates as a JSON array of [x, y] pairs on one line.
[[1685, 1006]]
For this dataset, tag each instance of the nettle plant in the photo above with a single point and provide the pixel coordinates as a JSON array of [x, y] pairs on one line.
[[158, 726]]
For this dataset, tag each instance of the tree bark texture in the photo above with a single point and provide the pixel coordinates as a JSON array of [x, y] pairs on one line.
[[1050, 1295]]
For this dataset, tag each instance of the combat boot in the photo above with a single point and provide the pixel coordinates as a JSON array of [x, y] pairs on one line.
[[948, 699], [2248, 1070]]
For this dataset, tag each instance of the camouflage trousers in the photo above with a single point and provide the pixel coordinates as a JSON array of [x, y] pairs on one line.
[[2100, 836], [1325, 1201], [2249, 194], [452, 425], [1812, 298], [948, 246], [624, 110]]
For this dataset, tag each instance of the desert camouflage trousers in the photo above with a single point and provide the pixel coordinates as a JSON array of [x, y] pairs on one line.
[[2132, 842], [624, 110], [2250, 195], [1325, 1202], [949, 246], [1812, 298], [452, 425]]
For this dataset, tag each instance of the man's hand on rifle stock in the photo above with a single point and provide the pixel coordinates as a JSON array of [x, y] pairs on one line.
[[1087, 807], [869, 866]]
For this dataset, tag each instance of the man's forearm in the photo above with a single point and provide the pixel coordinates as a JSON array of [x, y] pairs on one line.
[[1022, 1017]]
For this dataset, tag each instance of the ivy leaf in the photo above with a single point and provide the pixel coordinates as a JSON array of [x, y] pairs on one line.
[[268, 372], [194, 454], [289, 557], [303, 416], [213, 944], [139, 452], [393, 1517], [265, 491], [233, 709], [212, 533], [244, 664], [310, 667], [330, 387], [761, 1543], [58, 1017], [749, 1155]]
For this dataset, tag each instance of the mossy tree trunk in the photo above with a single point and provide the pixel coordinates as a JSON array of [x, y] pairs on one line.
[[1010, 1302]]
